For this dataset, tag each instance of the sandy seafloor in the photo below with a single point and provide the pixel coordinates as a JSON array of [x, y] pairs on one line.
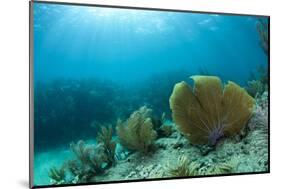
[[247, 152]]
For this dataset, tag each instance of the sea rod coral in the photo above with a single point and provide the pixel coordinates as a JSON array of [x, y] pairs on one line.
[[57, 175], [89, 161], [209, 111], [105, 138]]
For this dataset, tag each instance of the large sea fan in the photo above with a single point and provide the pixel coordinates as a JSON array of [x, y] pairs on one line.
[[209, 112]]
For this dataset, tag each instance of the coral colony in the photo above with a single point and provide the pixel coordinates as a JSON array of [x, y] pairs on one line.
[[218, 129], [209, 112]]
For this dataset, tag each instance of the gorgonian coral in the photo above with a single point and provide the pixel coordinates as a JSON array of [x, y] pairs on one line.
[[137, 132], [209, 112], [57, 175], [89, 161], [105, 138]]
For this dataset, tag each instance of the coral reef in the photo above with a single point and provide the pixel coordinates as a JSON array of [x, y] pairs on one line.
[[236, 154], [243, 150], [137, 132], [209, 113], [258, 133]]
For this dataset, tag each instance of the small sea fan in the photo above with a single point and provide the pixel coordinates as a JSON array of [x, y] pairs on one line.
[[209, 112], [137, 132]]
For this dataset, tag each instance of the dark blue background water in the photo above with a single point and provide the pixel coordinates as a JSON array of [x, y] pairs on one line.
[[130, 45]]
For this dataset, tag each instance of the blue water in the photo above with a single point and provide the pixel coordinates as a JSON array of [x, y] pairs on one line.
[[130, 45], [129, 51]]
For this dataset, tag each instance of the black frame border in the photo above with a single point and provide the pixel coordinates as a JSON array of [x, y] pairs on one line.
[[31, 98]]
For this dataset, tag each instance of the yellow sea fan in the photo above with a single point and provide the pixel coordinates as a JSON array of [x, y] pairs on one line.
[[208, 112]]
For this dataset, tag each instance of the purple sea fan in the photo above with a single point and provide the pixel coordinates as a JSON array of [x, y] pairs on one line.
[[215, 135], [209, 111]]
